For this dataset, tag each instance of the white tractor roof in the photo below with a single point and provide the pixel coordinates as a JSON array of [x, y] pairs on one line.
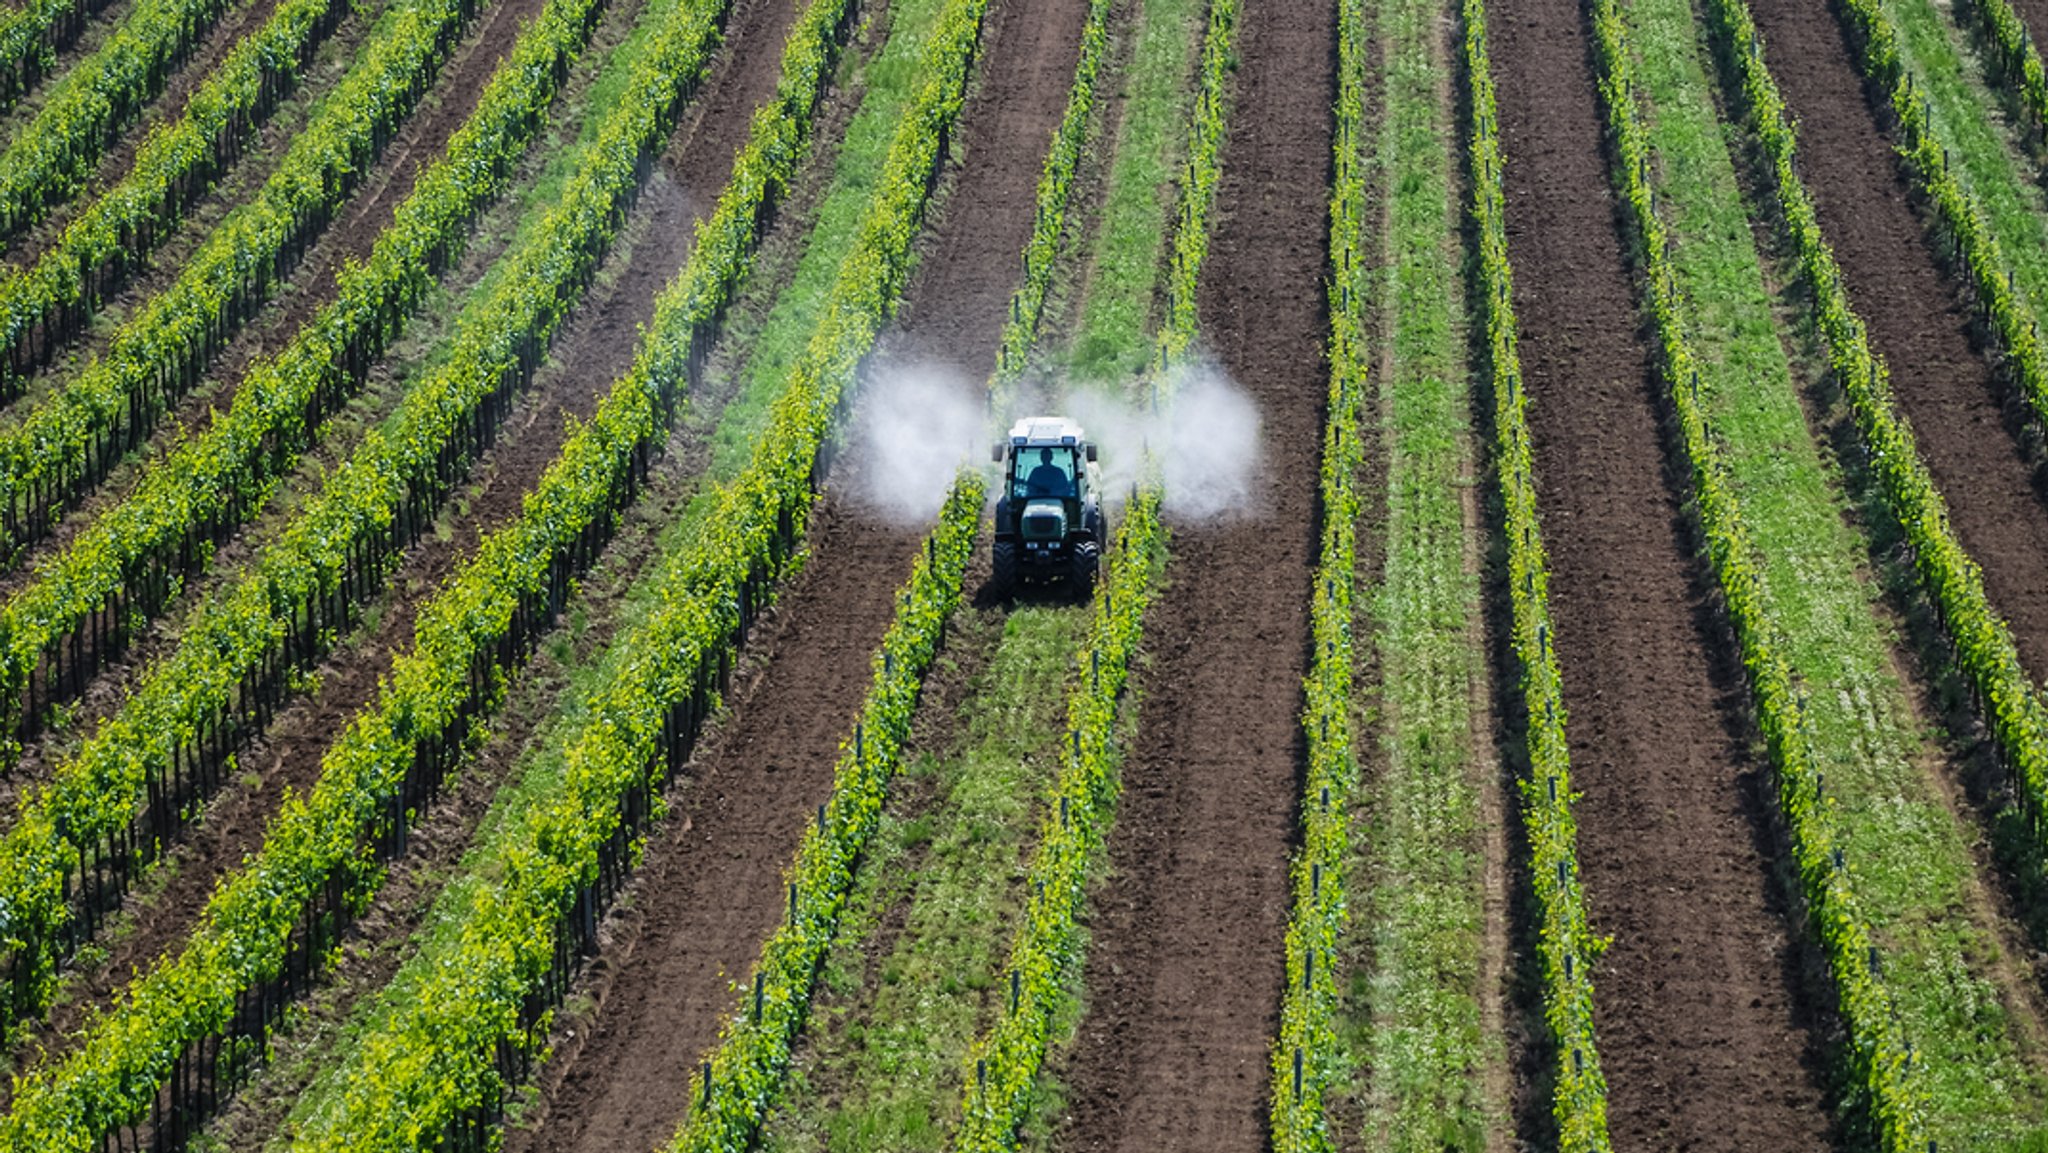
[[1040, 431]]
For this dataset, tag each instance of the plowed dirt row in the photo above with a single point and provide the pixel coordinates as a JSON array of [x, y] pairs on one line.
[[710, 891], [1699, 1016], [1917, 323], [379, 942], [1184, 974], [597, 347]]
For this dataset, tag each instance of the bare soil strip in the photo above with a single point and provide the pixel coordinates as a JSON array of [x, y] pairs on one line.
[[710, 891], [1183, 978], [1702, 1031], [1916, 319], [380, 941], [598, 345]]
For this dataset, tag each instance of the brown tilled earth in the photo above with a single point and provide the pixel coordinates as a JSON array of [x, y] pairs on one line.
[[1703, 1034], [2034, 13], [596, 347], [1183, 973], [711, 889], [379, 942], [1960, 413]]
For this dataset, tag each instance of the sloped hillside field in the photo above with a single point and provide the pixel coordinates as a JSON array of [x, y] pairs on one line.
[[1003, 575]]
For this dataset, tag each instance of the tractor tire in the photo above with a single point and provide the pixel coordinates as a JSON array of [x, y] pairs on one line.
[[1003, 581], [1086, 560]]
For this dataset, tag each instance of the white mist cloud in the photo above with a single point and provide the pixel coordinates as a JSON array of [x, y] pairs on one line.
[[915, 424], [913, 427], [1205, 437]]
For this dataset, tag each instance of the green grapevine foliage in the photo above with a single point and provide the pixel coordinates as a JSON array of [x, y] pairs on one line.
[[2005, 697], [45, 304], [746, 1069], [69, 440], [223, 676], [56, 150], [1303, 1057], [435, 1062]]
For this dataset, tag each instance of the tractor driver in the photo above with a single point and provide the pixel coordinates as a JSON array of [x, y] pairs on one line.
[[1048, 479]]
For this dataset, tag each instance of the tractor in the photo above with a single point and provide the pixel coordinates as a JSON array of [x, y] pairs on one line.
[[1049, 523]]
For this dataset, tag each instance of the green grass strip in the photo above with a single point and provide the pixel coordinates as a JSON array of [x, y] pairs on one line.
[[1565, 945], [1863, 728], [1046, 952], [1425, 912], [2007, 50], [1123, 271], [904, 1071], [1966, 126], [1985, 212], [1882, 1067], [747, 1072], [894, 1056], [1982, 641]]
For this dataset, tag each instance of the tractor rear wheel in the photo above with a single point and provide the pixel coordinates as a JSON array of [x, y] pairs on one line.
[[1004, 579], [1086, 560]]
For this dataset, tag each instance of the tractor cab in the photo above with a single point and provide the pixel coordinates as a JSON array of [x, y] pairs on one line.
[[1049, 524]]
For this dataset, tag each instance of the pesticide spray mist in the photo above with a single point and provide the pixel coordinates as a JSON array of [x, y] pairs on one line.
[[914, 427], [916, 424], [1205, 437]]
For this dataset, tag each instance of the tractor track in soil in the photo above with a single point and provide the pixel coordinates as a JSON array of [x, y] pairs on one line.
[[1705, 1036], [119, 156], [597, 346], [1183, 978], [709, 892], [1918, 322], [421, 139]]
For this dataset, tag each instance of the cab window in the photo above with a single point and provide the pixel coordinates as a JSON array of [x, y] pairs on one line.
[[1043, 472]]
